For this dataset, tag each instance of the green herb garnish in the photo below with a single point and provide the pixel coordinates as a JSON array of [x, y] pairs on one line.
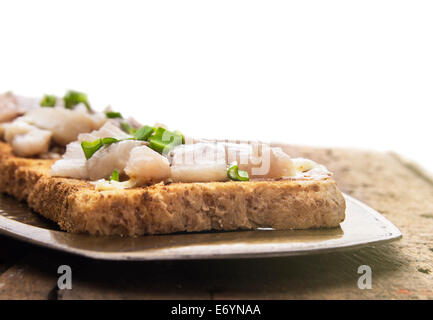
[[90, 147], [113, 115], [179, 133], [108, 141], [127, 128], [144, 133], [48, 101], [164, 140], [235, 174], [72, 98], [161, 141], [115, 175]]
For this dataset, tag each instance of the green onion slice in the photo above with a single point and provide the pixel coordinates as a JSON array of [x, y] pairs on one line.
[[115, 175], [113, 115], [235, 174], [179, 133], [72, 98], [127, 128], [48, 101], [161, 141], [144, 133], [90, 147], [164, 140], [108, 141]]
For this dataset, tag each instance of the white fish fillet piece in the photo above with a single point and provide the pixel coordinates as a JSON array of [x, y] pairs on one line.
[[260, 160], [201, 162], [108, 158], [74, 163], [26, 140], [27, 103], [109, 129], [204, 172], [302, 164], [65, 124], [281, 165], [308, 169], [12, 106], [241, 153], [147, 166]]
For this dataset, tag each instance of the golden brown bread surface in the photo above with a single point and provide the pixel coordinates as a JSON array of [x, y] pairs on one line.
[[77, 207]]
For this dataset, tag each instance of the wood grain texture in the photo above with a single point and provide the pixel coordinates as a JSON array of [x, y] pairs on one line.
[[28, 279], [401, 270]]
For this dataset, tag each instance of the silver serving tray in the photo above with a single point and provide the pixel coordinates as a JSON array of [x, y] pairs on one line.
[[363, 226]]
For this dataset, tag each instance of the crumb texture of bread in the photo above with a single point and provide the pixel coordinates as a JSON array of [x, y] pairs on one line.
[[160, 209]]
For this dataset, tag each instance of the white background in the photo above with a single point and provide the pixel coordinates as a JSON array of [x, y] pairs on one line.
[[334, 73]]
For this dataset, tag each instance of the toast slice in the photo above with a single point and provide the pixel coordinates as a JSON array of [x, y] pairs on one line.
[[77, 207]]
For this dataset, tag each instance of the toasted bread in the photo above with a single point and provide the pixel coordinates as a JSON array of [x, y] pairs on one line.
[[77, 207]]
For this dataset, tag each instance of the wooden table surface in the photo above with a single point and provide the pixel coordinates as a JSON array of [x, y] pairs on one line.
[[398, 189]]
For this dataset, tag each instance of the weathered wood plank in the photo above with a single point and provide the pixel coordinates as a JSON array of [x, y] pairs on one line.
[[30, 278], [152, 280]]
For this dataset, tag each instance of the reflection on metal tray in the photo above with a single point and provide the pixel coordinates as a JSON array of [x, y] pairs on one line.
[[363, 226]]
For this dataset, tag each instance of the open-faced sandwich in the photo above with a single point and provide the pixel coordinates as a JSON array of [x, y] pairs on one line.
[[98, 173]]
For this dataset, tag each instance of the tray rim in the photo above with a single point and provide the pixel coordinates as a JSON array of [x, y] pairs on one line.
[[10, 227]]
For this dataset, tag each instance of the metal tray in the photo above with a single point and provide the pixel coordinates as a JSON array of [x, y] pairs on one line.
[[363, 226]]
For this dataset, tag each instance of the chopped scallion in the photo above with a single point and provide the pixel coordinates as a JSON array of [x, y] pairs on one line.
[[72, 98], [115, 175], [179, 133], [144, 133], [108, 140], [90, 147], [127, 128], [113, 115], [48, 101], [164, 140], [235, 174]]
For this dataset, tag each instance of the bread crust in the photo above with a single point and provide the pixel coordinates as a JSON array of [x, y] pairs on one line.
[[77, 207]]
